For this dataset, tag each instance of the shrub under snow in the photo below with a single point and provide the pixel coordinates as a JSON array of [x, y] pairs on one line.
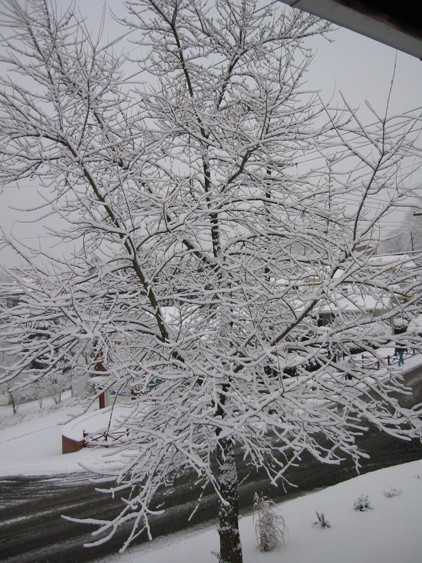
[[270, 527], [362, 504]]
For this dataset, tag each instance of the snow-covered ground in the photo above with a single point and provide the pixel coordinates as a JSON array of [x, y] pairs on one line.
[[31, 440], [388, 533]]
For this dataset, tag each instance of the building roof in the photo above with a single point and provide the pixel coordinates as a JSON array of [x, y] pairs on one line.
[[397, 24]]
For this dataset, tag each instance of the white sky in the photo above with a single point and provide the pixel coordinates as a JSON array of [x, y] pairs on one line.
[[360, 68]]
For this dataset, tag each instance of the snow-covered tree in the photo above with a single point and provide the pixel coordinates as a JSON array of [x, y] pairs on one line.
[[223, 215], [408, 236], [40, 360]]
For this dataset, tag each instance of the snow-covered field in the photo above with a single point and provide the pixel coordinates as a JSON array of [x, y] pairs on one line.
[[389, 532]]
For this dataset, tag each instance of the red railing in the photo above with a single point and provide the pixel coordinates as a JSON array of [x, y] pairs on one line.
[[103, 439], [368, 362]]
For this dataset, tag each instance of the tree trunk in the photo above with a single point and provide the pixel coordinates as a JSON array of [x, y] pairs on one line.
[[230, 546]]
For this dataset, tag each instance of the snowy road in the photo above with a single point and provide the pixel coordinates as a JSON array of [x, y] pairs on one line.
[[32, 529], [31, 507]]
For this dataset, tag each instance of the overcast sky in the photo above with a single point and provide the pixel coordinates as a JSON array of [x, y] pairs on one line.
[[360, 68]]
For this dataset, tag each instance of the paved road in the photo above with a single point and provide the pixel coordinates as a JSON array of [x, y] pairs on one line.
[[32, 529]]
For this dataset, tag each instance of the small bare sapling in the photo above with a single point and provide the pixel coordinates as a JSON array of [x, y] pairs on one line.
[[270, 527], [322, 522]]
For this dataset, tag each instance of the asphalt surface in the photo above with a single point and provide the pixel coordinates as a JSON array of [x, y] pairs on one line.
[[32, 529]]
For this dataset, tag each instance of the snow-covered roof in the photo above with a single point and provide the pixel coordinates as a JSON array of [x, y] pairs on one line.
[[8, 290], [392, 260], [356, 303]]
